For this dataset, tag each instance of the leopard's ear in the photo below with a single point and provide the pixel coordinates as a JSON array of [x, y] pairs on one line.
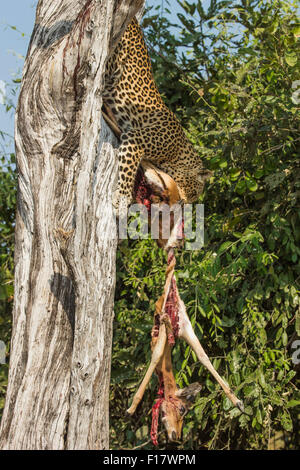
[[206, 174], [189, 393]]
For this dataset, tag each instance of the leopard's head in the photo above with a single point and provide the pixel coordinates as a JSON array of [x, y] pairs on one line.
[[192, 185]]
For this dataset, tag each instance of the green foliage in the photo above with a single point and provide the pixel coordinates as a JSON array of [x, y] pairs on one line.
[[228, 73]]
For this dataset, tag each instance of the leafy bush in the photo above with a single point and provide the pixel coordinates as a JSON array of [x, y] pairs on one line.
[[228, 74]]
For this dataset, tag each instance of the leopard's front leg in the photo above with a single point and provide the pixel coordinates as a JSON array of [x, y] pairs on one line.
[[130, 155]]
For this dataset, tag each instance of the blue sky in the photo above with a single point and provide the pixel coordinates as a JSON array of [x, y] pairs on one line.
[[20, 14]]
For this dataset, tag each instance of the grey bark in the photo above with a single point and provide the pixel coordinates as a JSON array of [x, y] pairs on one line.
[[59, 374]]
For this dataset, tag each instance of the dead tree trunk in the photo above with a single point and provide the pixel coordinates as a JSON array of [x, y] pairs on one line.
[[59, 374]]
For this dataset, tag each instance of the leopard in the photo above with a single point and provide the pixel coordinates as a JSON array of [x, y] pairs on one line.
[[149, 129]]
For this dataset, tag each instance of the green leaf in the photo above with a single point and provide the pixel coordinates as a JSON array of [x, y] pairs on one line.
[[286, 421], [241, 186], [251, 184], [142, 432], [223, 163], [234, 173], [258, 416], [284, 338], [293, 403], [291, 58], [296, 31], [224, 247]]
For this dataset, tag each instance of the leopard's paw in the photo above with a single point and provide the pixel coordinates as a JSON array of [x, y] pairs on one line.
[[115, 200], [121, 204]]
